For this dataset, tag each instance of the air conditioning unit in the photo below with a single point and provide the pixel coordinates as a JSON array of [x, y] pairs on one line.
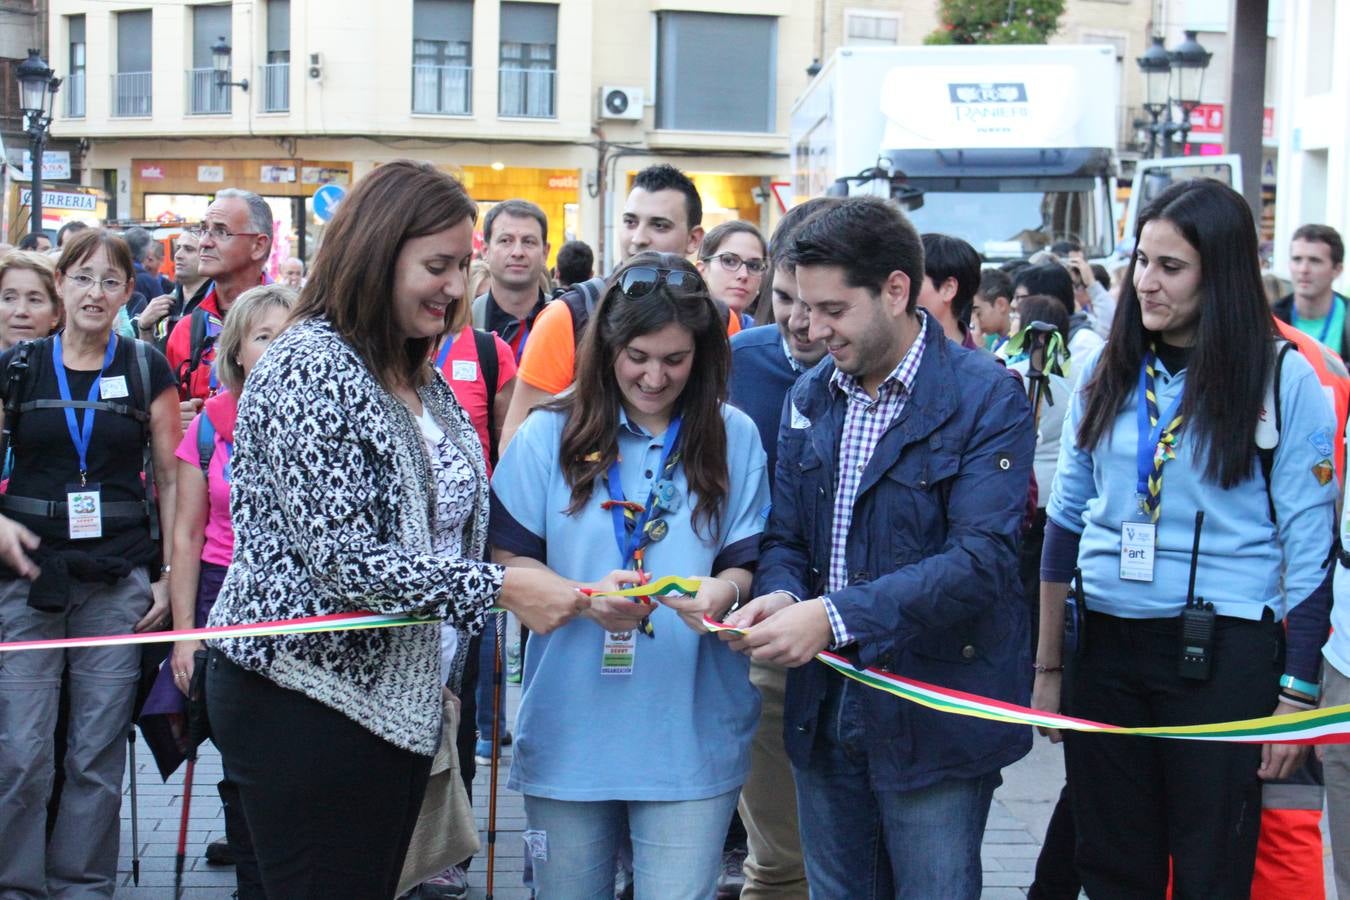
[[315, 67], [621, 102]]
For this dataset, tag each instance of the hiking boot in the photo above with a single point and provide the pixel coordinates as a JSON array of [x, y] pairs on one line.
[[218, 853]]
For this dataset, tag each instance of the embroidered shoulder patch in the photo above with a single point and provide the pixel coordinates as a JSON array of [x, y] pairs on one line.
[[1324, 471]]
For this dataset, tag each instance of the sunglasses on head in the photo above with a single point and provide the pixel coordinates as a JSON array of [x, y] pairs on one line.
[[642, 281]]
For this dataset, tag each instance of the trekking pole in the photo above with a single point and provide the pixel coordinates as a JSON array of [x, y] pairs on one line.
[[197, 731], [183, 825], [496, 748], [135, 819]]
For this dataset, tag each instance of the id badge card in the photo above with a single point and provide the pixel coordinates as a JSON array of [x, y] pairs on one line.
[[1138, 548], [619, 651], [112, 388], [85, 511]]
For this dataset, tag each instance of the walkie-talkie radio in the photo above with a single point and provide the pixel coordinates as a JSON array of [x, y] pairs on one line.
[[1197, 622]]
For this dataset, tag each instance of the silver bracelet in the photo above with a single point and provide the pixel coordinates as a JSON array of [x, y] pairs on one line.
[[735, 604]]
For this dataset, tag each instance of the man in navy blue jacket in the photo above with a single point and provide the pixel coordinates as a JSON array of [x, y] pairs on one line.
[[901, 483]]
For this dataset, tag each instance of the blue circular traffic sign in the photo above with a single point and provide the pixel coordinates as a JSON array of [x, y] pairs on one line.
[[326, 200]]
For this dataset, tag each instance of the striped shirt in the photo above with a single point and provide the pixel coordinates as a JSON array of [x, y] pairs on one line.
[[865, 421]]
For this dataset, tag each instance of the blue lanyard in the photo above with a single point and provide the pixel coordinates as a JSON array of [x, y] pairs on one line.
[[445, 351], [524, 336], [80, 436], [1326, 323], [225, 467], [1151, 425], [999, 341], [631, 541]]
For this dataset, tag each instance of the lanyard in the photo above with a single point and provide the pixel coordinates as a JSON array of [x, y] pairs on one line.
[[80, 437], [225, 467], [1326, 323], [630, 533], [445, 351], [522, 336], [1156, 436], [999, 341]]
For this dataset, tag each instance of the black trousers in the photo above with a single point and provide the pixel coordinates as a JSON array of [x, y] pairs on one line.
[[1138, 801], [330, 806]]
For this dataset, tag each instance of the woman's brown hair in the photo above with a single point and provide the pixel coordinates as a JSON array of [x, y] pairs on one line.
[[590, 437], [352, 282], [86, 243]]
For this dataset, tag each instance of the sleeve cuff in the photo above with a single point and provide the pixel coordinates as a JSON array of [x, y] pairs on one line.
[[841, 636], [507, 534], [743, 554]]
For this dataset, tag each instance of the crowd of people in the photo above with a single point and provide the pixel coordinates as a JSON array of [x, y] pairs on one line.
[[1111, 494]]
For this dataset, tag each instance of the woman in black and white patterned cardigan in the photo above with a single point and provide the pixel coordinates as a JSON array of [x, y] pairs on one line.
[[357, 484]]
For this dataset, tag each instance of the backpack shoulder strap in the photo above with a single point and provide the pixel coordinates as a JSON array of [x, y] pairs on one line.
[[581, 300], [206, 442], [479, 311], [1268, 428], [486, 347]]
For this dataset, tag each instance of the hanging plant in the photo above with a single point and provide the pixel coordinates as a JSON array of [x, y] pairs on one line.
[[996, 21]]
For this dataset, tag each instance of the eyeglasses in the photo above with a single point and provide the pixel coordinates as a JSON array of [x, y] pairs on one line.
[[730, 262], [640, 281], [109, 285], [219, 234]]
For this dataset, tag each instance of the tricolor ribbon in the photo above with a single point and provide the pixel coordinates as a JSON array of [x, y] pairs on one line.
[[1318, 726]]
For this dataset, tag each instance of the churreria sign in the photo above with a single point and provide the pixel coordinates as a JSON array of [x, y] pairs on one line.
[[978, 102]]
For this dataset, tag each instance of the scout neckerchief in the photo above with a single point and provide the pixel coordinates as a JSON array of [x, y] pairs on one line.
[[1157, 439], [637, 525]]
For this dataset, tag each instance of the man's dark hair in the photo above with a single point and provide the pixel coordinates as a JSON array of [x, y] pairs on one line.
[[1013, 266], [576, 263], [665, 177], [138, 241], [519, 209], [946, 257], [1323, 234], [67, 230], [995, 284], [30, 240], [1065, 247], [868, 238], [1103, 277], [1047, 278]]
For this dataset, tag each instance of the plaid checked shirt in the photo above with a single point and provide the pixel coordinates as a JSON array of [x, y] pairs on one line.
[[865, 421]]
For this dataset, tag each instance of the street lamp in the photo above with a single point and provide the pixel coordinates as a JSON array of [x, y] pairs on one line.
[[37, 97], [220, 61], [1156, 64], [1189, 61]]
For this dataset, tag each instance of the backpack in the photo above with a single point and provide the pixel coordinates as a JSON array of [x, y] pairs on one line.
[[1268, 428], [203, 330], [584, 295], [17, 378], [486, 348]]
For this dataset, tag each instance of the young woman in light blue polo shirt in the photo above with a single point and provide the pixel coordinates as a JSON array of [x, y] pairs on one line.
[[634, 722], [1186, 617]]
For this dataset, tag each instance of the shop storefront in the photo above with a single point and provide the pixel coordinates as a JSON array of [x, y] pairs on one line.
[[556, 191], [174, 190], [61, 203]]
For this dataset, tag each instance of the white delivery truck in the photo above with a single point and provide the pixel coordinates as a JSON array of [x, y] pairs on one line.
[[1009, 147]]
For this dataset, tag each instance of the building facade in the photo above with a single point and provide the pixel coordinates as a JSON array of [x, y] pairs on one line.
[[557, 102]]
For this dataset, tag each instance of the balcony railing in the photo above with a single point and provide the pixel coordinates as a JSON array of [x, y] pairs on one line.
[[526, 92], [132, 95], [74, 91], [205, 97], [275, 79], [442, 90]]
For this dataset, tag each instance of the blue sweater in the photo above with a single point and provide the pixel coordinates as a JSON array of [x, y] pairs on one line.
[[761, 377]]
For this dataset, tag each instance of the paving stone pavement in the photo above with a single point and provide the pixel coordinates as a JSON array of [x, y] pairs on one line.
[[1012, 840]]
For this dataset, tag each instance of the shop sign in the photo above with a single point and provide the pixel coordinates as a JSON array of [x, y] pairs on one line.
[[152, 173], [1207, 118], [1268, 123], [211, 174], [564, 182], [324, 175], [60, 200], [55, 165], [276, 174]]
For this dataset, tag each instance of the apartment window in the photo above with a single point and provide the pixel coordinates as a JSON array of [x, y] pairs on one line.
[[871, 29], [716, 72], [205, 97], [131, 84], [276, 72], [74, 85], [442, 72], [529, 60]]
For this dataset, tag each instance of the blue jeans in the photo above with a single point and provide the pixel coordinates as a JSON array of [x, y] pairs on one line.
[[677, 846], [863, 843]]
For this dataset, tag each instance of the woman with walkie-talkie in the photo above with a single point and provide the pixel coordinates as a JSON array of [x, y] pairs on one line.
[[1195, 492]]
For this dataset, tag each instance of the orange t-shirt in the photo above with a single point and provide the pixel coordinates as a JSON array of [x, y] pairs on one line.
[[550, 359]]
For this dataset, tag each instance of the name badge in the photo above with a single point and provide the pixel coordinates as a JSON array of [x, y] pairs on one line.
[[1138, 544], [464, 370], [620, 649], [85, 511], [112, 388]]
